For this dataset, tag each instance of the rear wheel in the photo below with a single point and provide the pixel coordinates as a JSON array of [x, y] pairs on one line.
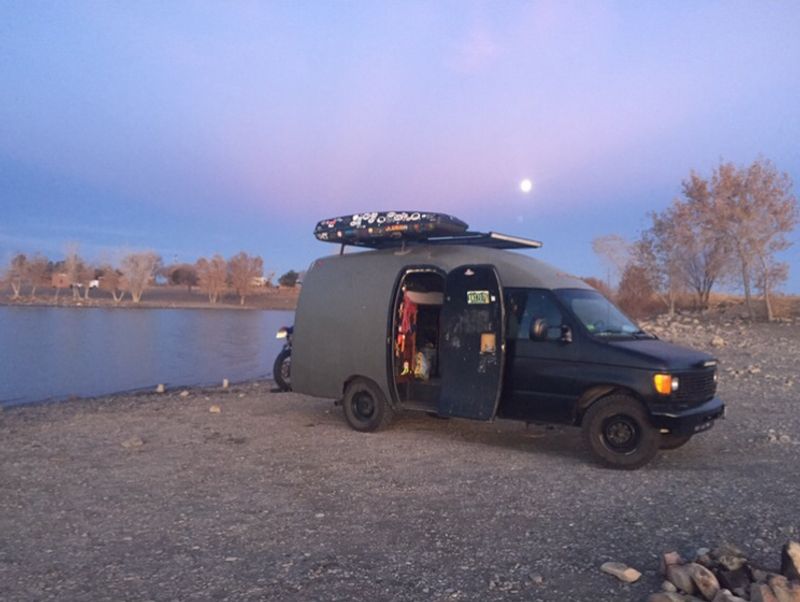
[[365, 406], [282, 370], [673, 441], [618, 432]]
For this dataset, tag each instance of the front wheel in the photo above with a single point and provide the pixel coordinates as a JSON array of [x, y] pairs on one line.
[[282, 370], [618, 432], [365, 406]]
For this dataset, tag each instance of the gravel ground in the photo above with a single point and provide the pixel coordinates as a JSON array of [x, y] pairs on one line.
[[276, 498]]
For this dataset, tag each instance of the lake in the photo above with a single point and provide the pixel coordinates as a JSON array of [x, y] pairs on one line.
[[55, 353]]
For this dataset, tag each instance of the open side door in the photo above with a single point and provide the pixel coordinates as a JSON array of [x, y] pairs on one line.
[[471, 349]]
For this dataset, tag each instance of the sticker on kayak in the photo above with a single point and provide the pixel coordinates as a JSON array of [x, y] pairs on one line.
[[478, 298]]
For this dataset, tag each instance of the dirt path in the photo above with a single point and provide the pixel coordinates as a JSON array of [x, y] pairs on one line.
[[276, 498]]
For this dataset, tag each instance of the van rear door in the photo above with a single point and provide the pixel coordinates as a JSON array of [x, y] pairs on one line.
[[471, 349]]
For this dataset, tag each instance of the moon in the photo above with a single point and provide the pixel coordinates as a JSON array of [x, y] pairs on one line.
[[526, 185]]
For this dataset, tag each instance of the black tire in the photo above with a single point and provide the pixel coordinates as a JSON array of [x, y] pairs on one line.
[[282, 370], [365, 406], [672, 441], [618, 432]]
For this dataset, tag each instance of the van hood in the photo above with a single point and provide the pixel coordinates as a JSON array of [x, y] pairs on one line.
[[656, 354]]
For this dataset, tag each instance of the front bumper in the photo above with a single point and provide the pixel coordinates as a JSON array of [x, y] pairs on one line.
[[693, 420]]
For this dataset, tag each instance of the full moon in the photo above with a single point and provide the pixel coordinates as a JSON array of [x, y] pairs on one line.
[[526, 186]]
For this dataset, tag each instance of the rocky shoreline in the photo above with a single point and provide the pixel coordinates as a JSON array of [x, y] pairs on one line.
[[242, 493]]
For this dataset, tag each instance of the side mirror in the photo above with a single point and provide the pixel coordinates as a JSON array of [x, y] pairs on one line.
[[538, 330], [566, 334]]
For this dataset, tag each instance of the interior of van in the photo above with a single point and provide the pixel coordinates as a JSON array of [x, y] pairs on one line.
[[415, 341]]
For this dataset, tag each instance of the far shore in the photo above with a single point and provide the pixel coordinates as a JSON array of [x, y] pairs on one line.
[[158, 297]]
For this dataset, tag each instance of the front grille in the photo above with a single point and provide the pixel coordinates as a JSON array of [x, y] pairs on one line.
[[696, 387]]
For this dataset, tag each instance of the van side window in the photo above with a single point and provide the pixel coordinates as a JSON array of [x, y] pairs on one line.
[[523, 306]]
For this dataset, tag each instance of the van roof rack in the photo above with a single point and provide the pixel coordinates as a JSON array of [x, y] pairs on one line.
[[493, 240]]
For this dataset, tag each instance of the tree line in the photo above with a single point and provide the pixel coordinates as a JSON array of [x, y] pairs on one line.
[[136, 272], [725, 229]]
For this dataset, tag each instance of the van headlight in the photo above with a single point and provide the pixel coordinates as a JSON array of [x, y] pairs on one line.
[[666, 384]]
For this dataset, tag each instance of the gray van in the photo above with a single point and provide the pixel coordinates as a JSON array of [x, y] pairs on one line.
[[462, 326]]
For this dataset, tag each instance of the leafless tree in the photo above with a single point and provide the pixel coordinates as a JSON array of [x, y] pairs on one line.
[[111, 280], [213, 275], [636, 293], [72, 266], [17, 274], [138, 270], [615, 252], [38, 269], [243, 270], [660, 252], [754, 209]]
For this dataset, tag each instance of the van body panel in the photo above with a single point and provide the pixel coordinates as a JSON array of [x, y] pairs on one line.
[[343, 314]]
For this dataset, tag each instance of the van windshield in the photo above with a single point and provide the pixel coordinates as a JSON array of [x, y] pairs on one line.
[[598, 314]]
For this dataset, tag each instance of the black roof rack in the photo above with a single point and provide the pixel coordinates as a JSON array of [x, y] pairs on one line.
[[493, 240]]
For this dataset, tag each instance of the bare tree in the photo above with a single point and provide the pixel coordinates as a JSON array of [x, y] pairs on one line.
[[213, 276], [138, 270], [244, 269], [635, 294], [662, 254], [702, 250], [38, 270], [754, 209], [72, 267], [615, 252], [17, 274], [112, 281]]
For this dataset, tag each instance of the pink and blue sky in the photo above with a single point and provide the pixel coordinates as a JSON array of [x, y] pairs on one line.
[[201, 127]]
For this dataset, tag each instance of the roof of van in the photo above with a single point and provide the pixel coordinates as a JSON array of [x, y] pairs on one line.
[[515, 269]]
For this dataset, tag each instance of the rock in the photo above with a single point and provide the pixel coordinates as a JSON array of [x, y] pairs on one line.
[[666, 597], [225, 383], [132, 442], [790, 560], [706, 582], [621, 571], [215, 409], [734, 580], [717, 341], [669, 587], [783, 590], [724, 595], [729, 556], [680, 578], [184, 393], [160, 388], [668, 559], [761, 592]]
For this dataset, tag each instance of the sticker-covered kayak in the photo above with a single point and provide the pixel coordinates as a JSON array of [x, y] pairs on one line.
[[366, 228]]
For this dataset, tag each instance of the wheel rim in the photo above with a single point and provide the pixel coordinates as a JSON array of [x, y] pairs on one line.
[[363, 406], [621, 434], [286, 366]]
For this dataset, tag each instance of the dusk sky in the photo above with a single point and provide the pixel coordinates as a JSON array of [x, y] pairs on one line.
[[194, 128]]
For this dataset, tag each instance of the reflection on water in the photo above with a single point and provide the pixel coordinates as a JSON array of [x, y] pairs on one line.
[[53, 352]]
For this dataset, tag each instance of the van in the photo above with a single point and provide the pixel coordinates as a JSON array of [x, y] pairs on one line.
[[462, 325]]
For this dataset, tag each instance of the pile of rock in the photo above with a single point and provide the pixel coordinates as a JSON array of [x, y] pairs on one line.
[[725, 575]]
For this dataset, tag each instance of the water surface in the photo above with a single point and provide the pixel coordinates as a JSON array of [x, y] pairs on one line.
[[56, 353]]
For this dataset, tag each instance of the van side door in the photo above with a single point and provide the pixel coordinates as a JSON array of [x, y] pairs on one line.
[[471, 348], [540, 381]]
